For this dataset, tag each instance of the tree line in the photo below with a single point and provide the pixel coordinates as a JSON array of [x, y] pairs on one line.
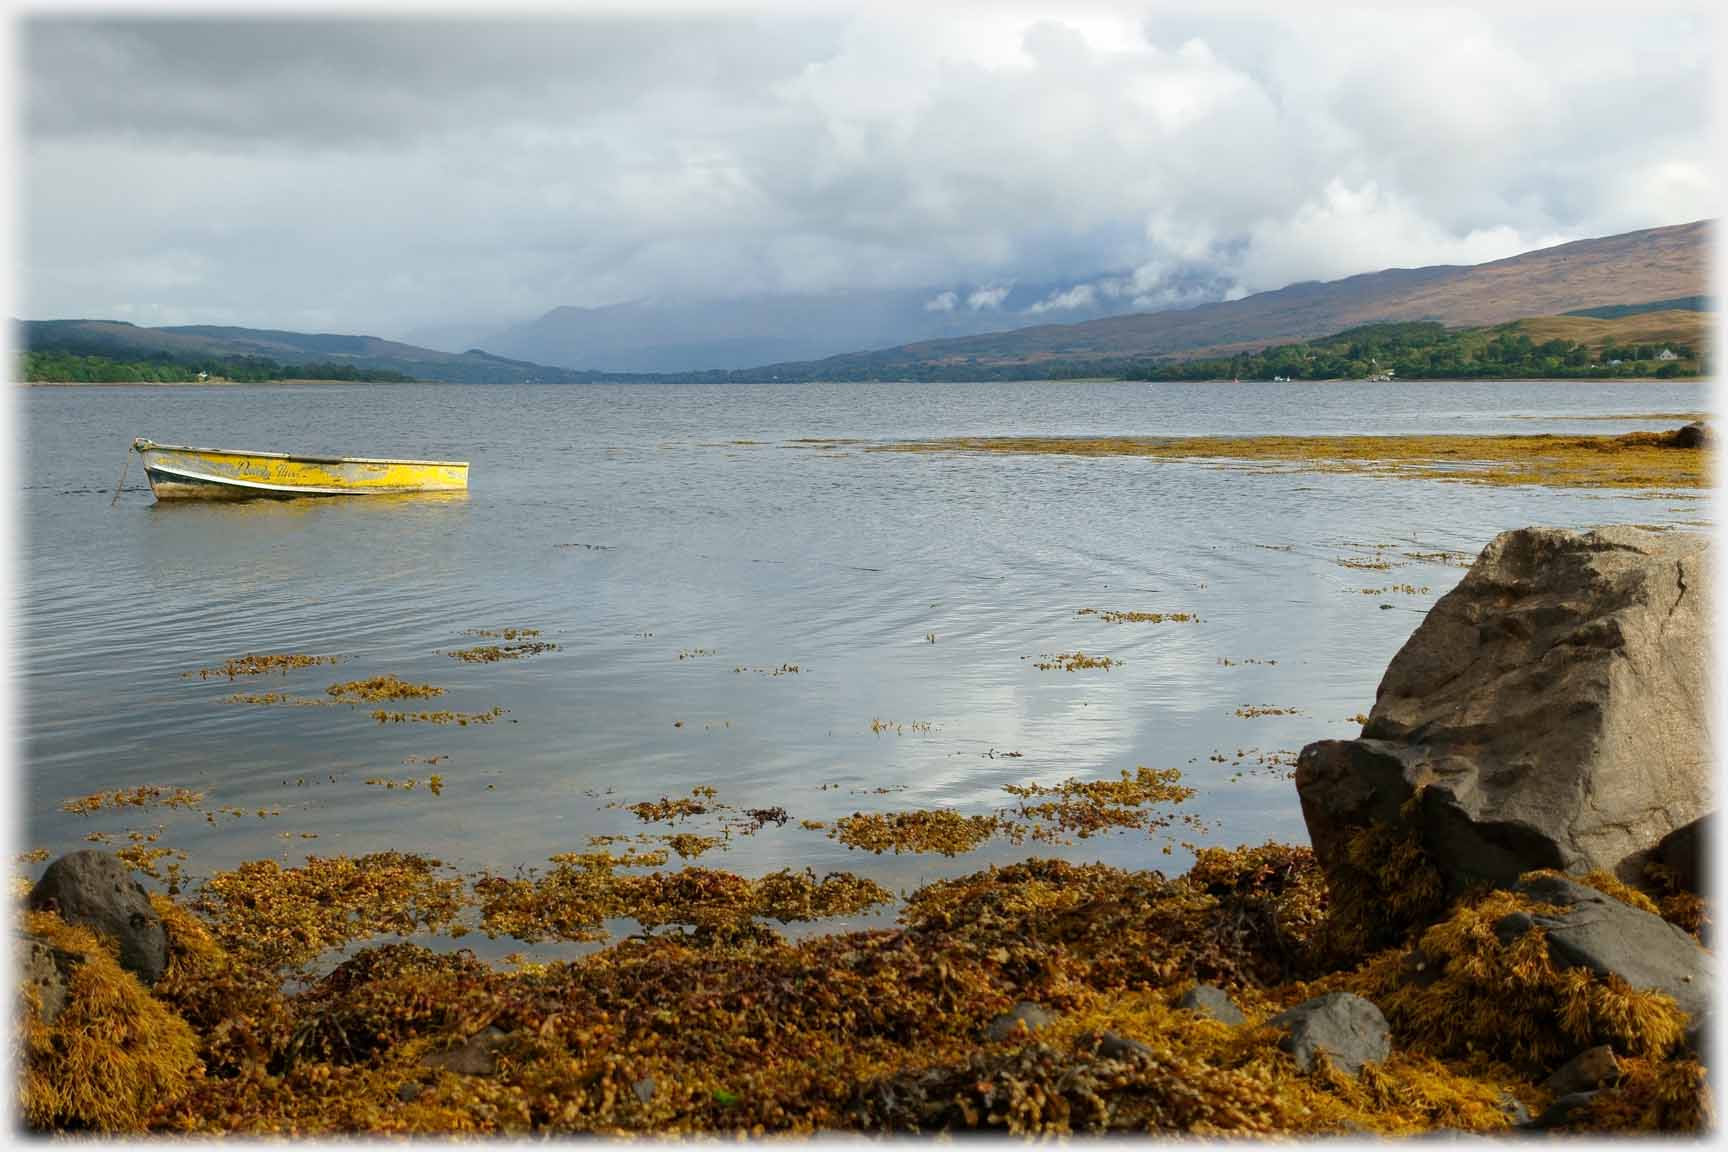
[[1429, 350], [68, 367]]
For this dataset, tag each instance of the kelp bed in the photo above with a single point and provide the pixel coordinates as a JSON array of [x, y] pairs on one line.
[[711, 1022], [1650, 460]]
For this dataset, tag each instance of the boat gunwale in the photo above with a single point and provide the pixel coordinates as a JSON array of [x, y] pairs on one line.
[[152, 446]]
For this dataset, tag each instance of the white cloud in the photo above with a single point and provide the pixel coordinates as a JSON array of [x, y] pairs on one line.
[[986, 298], [941, 302], [1079, 296]]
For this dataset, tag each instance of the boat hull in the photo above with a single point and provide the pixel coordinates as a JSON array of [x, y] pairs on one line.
[[180, 473]]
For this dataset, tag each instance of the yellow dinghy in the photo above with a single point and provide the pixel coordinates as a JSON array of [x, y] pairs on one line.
[[176, 472]]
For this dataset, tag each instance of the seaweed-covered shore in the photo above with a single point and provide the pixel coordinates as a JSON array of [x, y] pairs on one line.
[[1421, 968], [1037, 998]]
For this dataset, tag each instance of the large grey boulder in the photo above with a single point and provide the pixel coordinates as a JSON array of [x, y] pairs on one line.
[[1598, 932], [1350, 1030], [1549, 712], [94, 889]]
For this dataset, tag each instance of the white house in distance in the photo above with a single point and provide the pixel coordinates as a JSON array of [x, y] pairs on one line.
[[1667, 354]]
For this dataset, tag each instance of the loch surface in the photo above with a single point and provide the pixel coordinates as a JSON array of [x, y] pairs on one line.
[[665, 537]]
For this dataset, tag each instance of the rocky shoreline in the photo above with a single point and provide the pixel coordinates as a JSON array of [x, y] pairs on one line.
[[1500, 927]]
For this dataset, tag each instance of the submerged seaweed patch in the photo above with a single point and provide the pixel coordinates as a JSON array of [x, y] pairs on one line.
[[1255, 711], [584, 890], [289, 916], [258, 664], [386, 687], [1110, 617], [1635, 460], [935, 830], [1050, 813], [460, 719], [492, 653], [1072, 662], [143, 796], [921, 727], [1085, 808]]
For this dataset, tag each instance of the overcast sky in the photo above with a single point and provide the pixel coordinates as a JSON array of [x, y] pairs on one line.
[[379, 176]]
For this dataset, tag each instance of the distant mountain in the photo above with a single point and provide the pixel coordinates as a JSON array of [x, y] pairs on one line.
[[689, 336], [121, 341], [1655, 267]]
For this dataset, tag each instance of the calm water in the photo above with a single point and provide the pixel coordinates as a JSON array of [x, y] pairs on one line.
[[630, 525]]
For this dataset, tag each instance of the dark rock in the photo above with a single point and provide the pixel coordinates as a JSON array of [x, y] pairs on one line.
[[1549, 712], [409, 1092], [644, 1089], [1693, 435], [1415, 967], [1590, 1069], [1698, 1036], [1684, 853], [1598, 932], [1114, 1047], [1561, 1110], [473, 1057], [43, 970], [1213, 1002], [1350, 1030], [94, 889], [1024, 1014]]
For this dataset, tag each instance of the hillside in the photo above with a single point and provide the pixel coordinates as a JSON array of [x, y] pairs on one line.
[[200, 345], [1670, 327], [1657, 264], [1664, 345]]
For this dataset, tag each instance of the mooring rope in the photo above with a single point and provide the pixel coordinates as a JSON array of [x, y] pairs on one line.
[[122, 483]]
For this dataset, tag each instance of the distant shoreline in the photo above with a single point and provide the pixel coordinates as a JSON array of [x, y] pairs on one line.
[[1631, 380], [209, 383]]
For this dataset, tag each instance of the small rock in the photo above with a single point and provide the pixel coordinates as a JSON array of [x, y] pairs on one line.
[[1350, 1030], [94, 889], [473, 1057], [1600, 933], [1213, 1002], [1114, 1047], [1561, 1110], [39, 970], [644, 1089], [1590, 1069], [1514, 1109], [1693, 435], [409, 1092], [1024, 1014]]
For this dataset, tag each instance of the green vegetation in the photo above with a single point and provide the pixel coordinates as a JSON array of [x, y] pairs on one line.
[[1614, 311], [160, 368], [1427, 350]]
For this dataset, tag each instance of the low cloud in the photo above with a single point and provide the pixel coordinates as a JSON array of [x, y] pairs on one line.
[[987, 299], [941, 302], [1079, 296]]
